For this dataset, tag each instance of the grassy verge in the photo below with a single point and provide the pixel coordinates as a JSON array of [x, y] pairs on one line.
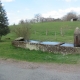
[[8, 51]]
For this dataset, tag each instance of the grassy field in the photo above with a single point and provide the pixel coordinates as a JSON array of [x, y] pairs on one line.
[[53, 30], [38, 32]]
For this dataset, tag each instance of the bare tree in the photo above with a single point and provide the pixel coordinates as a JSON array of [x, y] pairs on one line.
[[41, 19], [26, 21], [69, 16], [21, 22], [38, 16], [33, 21]]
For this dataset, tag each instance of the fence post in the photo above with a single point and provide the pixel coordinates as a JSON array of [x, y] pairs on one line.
[[46, 32], [35, 32], [55, 35], [62, 34]]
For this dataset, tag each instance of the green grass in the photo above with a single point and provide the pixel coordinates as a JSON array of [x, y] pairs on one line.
[[9, 51], [38, 31], [52, 28]]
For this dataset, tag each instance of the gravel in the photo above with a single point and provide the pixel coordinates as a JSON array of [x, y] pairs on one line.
[[19, 70]]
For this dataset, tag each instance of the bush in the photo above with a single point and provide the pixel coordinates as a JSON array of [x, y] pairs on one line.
[[22, 30]]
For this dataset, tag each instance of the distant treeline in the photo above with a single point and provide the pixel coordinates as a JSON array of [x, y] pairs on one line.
[[39, 18]]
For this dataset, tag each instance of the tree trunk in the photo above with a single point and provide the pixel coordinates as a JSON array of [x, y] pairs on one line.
[[0, 38]]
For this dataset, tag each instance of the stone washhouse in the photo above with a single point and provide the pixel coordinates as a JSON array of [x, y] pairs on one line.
[[51, 47]]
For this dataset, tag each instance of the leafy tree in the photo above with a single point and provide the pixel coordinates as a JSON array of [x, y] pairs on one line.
[[4, 29]]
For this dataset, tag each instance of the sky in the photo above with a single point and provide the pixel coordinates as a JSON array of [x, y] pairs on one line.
[[26, 9]]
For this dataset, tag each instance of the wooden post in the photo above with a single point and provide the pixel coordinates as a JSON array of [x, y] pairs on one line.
[[55, 35], [35, 32], [61, 32], [46, 32]]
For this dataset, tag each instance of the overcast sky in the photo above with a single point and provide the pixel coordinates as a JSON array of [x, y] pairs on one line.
[[26, 9]]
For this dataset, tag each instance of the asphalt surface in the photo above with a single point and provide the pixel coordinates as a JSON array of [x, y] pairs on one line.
[[29, 71]]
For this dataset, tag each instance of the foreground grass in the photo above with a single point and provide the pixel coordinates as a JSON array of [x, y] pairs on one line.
[[8, 51]]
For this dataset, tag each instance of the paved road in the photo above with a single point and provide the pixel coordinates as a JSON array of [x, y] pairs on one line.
[[12, 70]]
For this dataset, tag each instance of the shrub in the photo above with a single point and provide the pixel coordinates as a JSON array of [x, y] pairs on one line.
[[22, 30]]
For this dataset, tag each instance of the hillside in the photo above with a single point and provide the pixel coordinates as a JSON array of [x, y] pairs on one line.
[[54, 31]]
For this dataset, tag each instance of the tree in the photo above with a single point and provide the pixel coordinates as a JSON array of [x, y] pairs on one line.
[[41, 19], [70, 16], [4, 29], [21, 22], [38, 16]]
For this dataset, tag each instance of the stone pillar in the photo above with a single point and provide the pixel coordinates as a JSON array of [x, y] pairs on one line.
[[77, 37]]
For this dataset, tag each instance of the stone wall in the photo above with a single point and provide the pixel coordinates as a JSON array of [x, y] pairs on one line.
[[21, 44], [47, 48]]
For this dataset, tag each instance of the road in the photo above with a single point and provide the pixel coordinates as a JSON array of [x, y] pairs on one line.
[[21, 70]]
